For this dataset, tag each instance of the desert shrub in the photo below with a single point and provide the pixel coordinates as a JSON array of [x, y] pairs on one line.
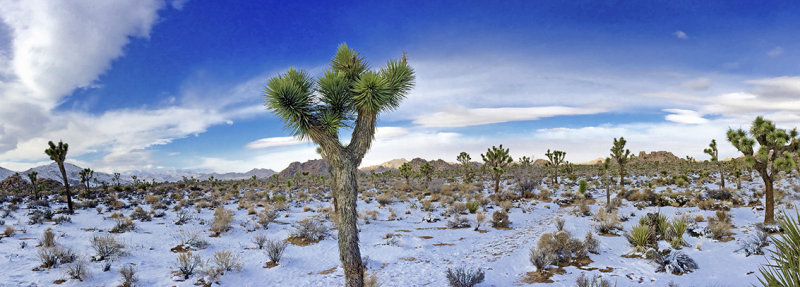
[[459, 207], [596, 281], [310, 229], [62, 219], [540, 258], [9, 231], [720, 226], [719, 194], [500, 219], [183, 217], [458, 222], [472, 206], [754, 244], [279, 198], [607, 222], [140, 214], [561, 247], [266, 217], [128, 273], [122, 225], [52, 256], [187, 263], [190, 239], [48, 238], [591, 242], [676, 262], [384, 199], [260, 240], [107, 247], [559, 223], [222, 220], [676, 230], [78, 270], [275, 250], [639, 237], [463, 277], [784, 268], [227, 261]]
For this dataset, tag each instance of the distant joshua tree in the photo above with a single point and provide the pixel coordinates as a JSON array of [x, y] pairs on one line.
[[405, 171], [33, 177], [464, 159], [621, 156], [496, 159], [348, 95], [714, 153], [58, 153], [86, 177], [117, 175], [555, 159], [426, 171], [774, 154], [605, 167]]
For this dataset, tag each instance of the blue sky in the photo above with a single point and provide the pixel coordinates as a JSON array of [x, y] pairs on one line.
[[154, 85]]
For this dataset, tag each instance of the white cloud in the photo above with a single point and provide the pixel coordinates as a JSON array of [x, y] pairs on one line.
[[777, 51], [389, 132], [461, 117], [680, 35], [273, 142], [685, 116]]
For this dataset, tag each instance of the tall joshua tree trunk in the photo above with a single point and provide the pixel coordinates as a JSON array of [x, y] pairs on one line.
[[66, 185], [347, 95], [58, 153], [769, 198]]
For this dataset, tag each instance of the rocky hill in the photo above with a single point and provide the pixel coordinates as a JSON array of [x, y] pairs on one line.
[[4, 173], [314, 166], [657, 157]]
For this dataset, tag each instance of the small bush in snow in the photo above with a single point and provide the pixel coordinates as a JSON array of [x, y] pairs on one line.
[[9, 231], [222, 220], [52, 256], [458, 222], [754, 244], [140, 214], [190, 239], [676, 262], [500, 219], [62, 219], [472, 206], [107, 247], [310, 229], [591, 242], [260, 240], [129, 278], [540, 258], [227, 261], [78, 270], [187, 263], [183, 217], [266, 217], [596, 281], [463, 277], [122, 225], [275, 249], [561, 247], [559, 223], [607, 222], [48, 238]]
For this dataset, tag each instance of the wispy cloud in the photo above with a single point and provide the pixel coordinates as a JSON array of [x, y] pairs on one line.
[[685, 116], [680, 35], [462, 117], [777, 51]]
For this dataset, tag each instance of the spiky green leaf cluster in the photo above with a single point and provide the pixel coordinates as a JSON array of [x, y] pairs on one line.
[[775, 146], [57, 153], [785, 267], [618, 151], [317, 109], [496, 159]]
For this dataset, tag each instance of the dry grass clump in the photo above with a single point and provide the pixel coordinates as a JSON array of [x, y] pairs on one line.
[[607, 222], [107, 247], [308, 231], [223, 218], [464, 277], [458, 222], [128, 273], [226, 260], [559, 247], [122, 225], [186, 264], [275, 250], [500, 219], [720, 226], [140, 214], [78, 270], [266, 217]]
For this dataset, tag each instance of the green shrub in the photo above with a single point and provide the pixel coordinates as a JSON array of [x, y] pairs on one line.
[[472, 206]]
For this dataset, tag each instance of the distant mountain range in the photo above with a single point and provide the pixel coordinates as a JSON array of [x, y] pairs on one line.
[[51, 171]]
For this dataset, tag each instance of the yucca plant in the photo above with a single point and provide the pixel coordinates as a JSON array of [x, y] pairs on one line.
[[639, 236], [785, 267], [555, 159], [621, 156], [677, 228], [58, 153], [495, 160], [348, 95]]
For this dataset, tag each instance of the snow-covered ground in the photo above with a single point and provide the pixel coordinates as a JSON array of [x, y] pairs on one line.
[[419, 255]]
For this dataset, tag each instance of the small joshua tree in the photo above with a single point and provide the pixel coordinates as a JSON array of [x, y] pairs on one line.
[[555, 159], [426, 171], [86, 177], [605, 167], [621, 156], [405, 171], [58, 153], [464, 159], [714, 153], [774, 155], [33, 177], [496, 159], [348, 95]]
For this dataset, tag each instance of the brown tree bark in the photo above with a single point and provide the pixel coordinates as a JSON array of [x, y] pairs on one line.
[[769, 201], [346, 193], [66, 185]]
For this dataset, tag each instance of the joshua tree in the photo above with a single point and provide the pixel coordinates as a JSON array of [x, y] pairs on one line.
[[86, 176], [58, 153], [464, 159], [405, 171], [33, 177], [554, 159], [605, 167], [621, 156], [348, 95], [714, 153], [426, 171], [117, 176], [774, 155], [496, 159]]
